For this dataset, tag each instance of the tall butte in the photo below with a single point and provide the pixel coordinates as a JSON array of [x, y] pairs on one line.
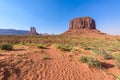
[[32, 31], [82, 25]]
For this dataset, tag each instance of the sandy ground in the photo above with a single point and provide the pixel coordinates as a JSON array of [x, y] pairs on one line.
[[31, 63]]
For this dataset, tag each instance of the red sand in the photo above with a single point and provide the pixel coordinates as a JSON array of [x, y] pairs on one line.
[[29, 64]]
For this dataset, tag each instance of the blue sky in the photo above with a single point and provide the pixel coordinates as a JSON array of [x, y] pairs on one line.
[[53, 16]]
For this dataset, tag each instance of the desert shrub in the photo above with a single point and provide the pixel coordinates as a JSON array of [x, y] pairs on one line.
[[116, 56], [117, 59], [103, 53], [45, 58], [46, 45], [6, 46], [85, 46], [92, 62], [83, 59], [118, 64], [64, 47], [118, 77], [74, 49], [40, 46]]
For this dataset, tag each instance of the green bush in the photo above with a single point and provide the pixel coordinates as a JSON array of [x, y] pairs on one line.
[[116, 56], [117, 59], [46, 45], [83, 59], [64, 47], [118, 77], [6, 46], [40, 46], [103, 53], [74, 49], [92, 62], [45, 58]]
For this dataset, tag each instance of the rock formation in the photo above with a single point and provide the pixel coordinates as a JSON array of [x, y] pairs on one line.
[[82, 25], [13, 32], [32, 31]]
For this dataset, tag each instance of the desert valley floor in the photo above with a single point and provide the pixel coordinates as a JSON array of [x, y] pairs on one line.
[[48, 62]]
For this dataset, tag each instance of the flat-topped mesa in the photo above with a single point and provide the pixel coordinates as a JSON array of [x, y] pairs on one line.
[[32, 31], [82, 23]]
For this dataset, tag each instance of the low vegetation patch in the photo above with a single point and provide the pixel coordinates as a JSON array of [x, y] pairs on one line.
[[116, 56], [118, 77], [64, 47], [117, 59], [6, 46], [92, 62], [103, 53], [40, 46], [106, 56], [46, 45], [74, 49], [45, 58], [43, 46], [83, 59]]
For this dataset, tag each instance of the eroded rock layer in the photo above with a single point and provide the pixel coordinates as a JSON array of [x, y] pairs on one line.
[[82, 23]]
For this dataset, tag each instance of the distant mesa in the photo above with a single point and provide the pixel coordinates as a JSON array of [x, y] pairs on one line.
[[82, 25], [12, 32], [19, 32], [32, 31]]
